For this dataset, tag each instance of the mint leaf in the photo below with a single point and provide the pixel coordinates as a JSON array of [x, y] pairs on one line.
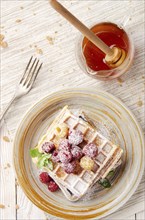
[[43, 160], [50, 165], [35, 153], [46, 162], [105, 183], [111, 173]]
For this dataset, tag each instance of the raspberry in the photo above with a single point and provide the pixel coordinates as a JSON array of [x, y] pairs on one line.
[[44, 177], [48, 147], [64, 145], [52, 186], [55, 156], [87, 163], [75, 137], [90, 150], [65, 156], [72, 167], [76, 152]]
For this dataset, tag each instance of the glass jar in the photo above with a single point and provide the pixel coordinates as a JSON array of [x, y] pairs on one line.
[[105, 74]]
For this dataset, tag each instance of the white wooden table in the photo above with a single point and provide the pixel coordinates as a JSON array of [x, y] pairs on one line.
[[33, 27]]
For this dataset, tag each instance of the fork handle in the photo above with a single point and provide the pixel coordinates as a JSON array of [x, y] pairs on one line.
[[7, 108]]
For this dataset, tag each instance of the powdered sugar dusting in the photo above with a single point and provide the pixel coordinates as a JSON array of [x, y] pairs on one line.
[[76, 152], [107, 130], [104, 127], [75, 137], [90, 150], [92, 193], [97, 189]]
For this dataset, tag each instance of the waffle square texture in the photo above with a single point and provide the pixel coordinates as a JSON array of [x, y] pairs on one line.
[[108, 154]]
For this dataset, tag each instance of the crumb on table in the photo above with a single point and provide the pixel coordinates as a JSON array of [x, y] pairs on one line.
[[17, 206], [120, 80], [8, 165], [39, 51], [50, 40], [6, 139], [2, 206], [2, 37], [139, 103], [18, 20], [3, 43]]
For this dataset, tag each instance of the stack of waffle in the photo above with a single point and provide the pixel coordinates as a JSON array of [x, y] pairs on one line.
[[106, 160]]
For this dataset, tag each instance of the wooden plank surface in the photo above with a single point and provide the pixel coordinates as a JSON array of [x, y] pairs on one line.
[[26, 26], [7, 183], [140, 216]]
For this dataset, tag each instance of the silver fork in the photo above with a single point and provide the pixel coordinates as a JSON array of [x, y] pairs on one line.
[[26, 82]]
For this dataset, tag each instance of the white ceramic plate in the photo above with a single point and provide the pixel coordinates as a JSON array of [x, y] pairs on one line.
[[113, 120]]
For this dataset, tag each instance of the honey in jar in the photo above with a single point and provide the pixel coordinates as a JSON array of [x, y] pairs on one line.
[[112, 35]]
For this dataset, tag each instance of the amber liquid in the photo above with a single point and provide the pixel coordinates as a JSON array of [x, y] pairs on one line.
[[112, 35]]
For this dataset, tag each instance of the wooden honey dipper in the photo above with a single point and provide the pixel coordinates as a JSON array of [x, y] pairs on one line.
[[114, 56]]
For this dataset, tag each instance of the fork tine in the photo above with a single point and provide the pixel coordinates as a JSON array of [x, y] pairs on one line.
[[35, 74], [29, 74], [28, 63], [32, 74], [26, 69], [32, 65]]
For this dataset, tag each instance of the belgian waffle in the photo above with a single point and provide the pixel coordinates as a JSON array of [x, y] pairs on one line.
[[108, 154]]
